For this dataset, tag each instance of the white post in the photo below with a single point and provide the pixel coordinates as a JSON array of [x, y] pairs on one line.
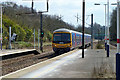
[[105, 29], [38, 38], [118, 43], [1, 27], [34, 38], [118, 38], [107, 47], [10, 37], [105, 26], [108, 23]]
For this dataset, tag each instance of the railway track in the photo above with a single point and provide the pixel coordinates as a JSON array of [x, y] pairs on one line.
[[17, 63]]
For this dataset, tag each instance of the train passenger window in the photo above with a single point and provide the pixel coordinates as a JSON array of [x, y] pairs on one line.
[[57, 37]]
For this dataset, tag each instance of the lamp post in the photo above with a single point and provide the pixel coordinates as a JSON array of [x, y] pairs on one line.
[[1, 27], [118, 27], [106, 27], [118, 43]]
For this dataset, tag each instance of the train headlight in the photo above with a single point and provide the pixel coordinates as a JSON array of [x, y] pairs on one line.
[[69, 45], [54, 45]]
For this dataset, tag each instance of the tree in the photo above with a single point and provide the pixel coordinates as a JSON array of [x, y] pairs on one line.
[[113, 25]]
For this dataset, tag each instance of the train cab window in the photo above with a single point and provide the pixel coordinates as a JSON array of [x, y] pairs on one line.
[[61, 37], [65, 37], [57, 37]]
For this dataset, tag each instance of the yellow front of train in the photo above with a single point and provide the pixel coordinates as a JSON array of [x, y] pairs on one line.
[[61, 41]]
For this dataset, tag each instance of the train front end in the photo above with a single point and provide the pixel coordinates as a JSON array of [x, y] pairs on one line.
[[61, 41]]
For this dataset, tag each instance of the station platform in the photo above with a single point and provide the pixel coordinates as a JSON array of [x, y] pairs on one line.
[[17, 51], [72, 65]]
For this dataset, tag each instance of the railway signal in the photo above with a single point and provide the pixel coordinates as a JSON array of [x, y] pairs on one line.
[[41, 25], [42, 34], [41, 30], [41, 37]]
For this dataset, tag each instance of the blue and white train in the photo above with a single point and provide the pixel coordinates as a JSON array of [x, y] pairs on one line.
[[65, 40]]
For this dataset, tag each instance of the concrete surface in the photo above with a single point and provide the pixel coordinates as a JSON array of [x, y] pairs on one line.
[[69, 65], [8, 52]]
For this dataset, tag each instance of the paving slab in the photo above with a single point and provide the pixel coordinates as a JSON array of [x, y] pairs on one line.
[[78, 67]]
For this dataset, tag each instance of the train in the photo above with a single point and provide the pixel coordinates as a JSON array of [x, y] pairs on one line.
[[66, 40]]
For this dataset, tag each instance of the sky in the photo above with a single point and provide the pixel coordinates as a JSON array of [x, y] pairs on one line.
[[68, 9]]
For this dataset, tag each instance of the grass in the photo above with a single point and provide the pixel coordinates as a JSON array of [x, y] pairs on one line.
[[100, 45], [22, 44], [47, 44], [115, 42], [103, 71]]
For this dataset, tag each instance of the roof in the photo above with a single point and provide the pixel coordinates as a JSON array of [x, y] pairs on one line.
[[70, 31], [63, 30]]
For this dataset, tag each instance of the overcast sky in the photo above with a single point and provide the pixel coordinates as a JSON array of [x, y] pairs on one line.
[[70, 8]]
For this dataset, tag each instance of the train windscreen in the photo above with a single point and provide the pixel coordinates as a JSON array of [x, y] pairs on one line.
[[61, 38]]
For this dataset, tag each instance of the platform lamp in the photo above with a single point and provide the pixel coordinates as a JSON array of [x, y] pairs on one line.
[[107, 48], [118, 42], [106, 26]]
